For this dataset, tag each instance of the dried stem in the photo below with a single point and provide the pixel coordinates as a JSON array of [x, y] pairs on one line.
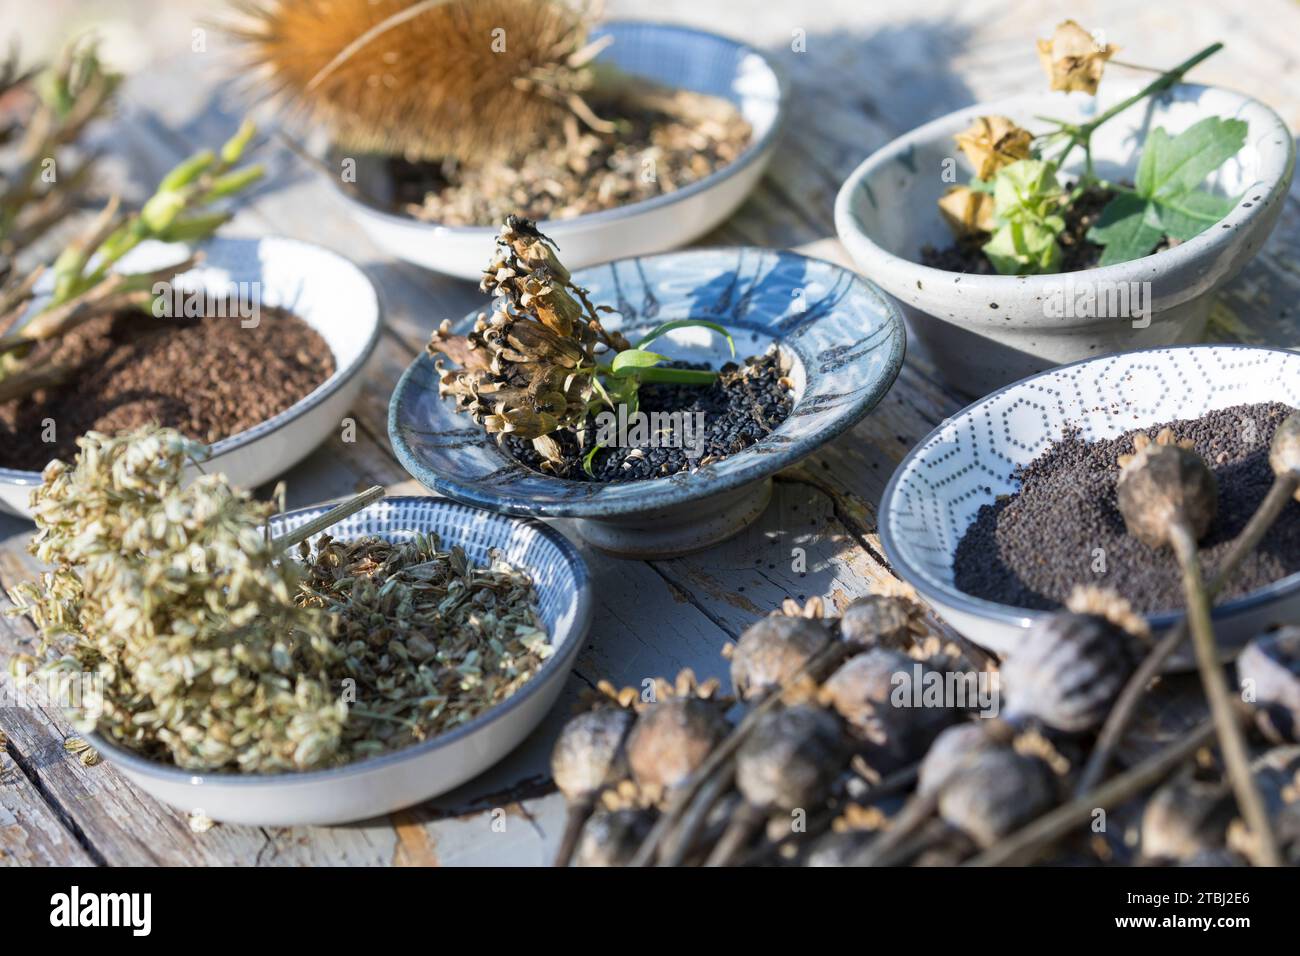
[[1112, 732], [575, 819], [739, 829], [332, 517], [1231, 739]]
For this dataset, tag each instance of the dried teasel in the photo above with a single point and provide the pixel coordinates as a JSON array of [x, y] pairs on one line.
[[1067, 671], [427, 79], [1268, 669], [589, 755], [773, 650], [875, 693]]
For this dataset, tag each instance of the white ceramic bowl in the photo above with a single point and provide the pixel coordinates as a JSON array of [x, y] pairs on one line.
[[967, 462], [322, 288], [408, 776], [672, 55], [986, 331]]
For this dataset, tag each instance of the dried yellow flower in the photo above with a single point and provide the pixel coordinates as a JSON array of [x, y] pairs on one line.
[[993, 142], [966, 211], [1073, 59]]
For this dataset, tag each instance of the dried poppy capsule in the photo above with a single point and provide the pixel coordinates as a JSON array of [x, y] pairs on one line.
[[1185, 817], [1163, 484], [772, 650], [877, 620], [1269, 671], [875, 693], [791, 758], [611, 838], [589, 755], [672, 738], [1067, 671], [996, 792], [1284, 451], [838, 849], [952, 749]]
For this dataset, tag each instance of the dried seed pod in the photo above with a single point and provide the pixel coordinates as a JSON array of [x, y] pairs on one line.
[[951, 750], [877, 620], [875, 694], [996, 792], [1277, 775], [1269, 671], [838, 849], [590, 753], [791, 758], [1164, 484], [1284, 451], [1185, 817], [612, 838], [772, 650], [672, 738], [1067, 671]]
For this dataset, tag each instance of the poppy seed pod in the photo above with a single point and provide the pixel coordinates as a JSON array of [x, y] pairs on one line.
[[877, 620], [772, 650], [950, 751], [876, 694], [1284, 451], [1185, 817], [996, 792], [1067, 671], [611, 838], [791, 758], [672, 738], [1269, 671], [590, 752], [1164, 484]]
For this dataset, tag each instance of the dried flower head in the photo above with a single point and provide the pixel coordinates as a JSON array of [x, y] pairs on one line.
[[1162, 483], [670, 739], [991, 143], [1103, 602], [429, 79], [1073, 59], [967, 212]]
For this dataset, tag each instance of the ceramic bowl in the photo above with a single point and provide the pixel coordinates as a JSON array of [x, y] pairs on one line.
[[382, 784], [986, 331], [322, 288], [967, 462], [672, 55], [844, 340]]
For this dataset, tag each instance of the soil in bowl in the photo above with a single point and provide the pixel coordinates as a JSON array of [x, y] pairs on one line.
[[208, 377], [1078, 252], [1063, 527], [653, 152], [743, 405]]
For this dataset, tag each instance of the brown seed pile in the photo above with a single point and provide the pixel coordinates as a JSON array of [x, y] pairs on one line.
[[209, 378]]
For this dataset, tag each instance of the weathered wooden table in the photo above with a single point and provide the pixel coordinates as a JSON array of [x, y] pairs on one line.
[[863, 72]]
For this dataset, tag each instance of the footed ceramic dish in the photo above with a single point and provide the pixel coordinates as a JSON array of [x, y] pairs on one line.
[[400, 778], [967, 462], [844, 340], [671, 55], [322, 288], [984, 331]]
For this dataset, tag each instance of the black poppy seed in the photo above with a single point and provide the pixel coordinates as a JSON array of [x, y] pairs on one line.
[[1063, 528]]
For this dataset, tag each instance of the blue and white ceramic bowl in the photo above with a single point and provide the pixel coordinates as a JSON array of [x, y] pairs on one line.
[[322, 288], [674, 56], [370, 788], [844, 340], [967, 462]]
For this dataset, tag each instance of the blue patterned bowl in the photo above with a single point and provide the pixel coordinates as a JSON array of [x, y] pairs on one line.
[[845, 341], [967, 462], [382, 784]]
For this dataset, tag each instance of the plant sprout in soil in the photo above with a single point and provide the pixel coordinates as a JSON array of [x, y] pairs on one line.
[[1017, 216]]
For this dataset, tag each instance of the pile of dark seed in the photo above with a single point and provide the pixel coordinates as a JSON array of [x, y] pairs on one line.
[[1077, 250], [744, 404], [208, 377], [1030, 549]]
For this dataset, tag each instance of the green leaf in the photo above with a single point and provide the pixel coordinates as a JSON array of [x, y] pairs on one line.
[[1023, 248], [1128, 227], [1174, 166], [635, 358], [1190, 215], [686, 324], [589, 460], [1026, 191]]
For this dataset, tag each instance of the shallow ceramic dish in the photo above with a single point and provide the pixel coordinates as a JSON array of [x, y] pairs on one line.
[[967, 462], [672, 55], [323, 289], [382, 784], [986, 331], [845, 341]]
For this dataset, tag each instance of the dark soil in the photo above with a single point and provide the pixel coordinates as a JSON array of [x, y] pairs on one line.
[[208, 377], [1077, 251], [743, 405], [1032, 548], [653, 153]]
